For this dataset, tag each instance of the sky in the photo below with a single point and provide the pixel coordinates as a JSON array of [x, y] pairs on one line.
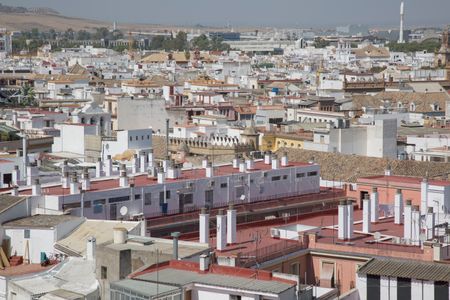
[[262, 13]]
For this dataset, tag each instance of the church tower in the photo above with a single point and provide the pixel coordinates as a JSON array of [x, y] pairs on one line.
[[443, 55]]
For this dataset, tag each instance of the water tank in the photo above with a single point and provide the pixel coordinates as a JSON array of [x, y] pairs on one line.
[[120, 235]]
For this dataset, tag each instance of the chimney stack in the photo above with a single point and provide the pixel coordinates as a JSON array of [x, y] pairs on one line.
[[204, 226], [221, 235], [415, 225], [135, 164], [236, 161], [150, 158], [123, 179], [86, 181], [388, 171], [32, 173], [99, 168], [204, 263], [175, 236], [172, 170], [284, 160], [342, 220], [366, 214], [16, 175], [209, 170], [15, 191], [108, 166], [231, 225], [242, 167], [350, 219], [398, 207], [205, 162], [90, 248], [64, 167], [275, 163], [267, 157], [424, 196], [250, 164], [120, 235], [143, 163], [430, 222], [161, 176], [407, 228], [74, 186], [65, 180], [36, 188], [375, 206]]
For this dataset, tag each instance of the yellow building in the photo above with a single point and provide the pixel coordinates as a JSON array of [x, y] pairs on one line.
[[274, 141]]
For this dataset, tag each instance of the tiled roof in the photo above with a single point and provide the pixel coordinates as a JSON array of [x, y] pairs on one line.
[[39, 221], [407, 269]]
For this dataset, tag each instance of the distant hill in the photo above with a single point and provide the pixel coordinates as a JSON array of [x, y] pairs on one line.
[[23, 10]]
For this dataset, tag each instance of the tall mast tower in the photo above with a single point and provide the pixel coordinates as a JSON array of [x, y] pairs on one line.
[[401, 40]]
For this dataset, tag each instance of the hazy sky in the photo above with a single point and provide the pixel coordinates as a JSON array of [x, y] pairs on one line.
[[304, 13]]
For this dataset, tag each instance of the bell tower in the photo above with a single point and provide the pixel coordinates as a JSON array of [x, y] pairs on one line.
[[443, 55]]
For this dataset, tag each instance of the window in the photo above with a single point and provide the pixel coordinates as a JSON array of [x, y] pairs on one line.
[[98, 209], [131, 138], [295, 269], [99, 202], [26, 234], [137, 138], [276, 178], [142, 138], [147, 199], [285, 177], [148, 137], [314, 173], [235, 297], [441, 290], [161, 196], [119, 199], [300, 175], [403, 288], [104, 272], [223, 185]]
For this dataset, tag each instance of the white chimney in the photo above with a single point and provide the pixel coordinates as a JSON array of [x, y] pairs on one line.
[[36, 188], [204, 162], [64, 167], [123, 179], [204, 263], [32, 173], [143, 163], [221, 235], [135, 164], [374, 206], [267, 158], [250, 164], [398, 207], [14, 119], [424, 196], [242, 167], [172, 171], [366, 214], [350, 219], [86, 181], [204, 226], [231, 225], [15, 175], [74, 186], [99, 168], [150, 159], [15, 191], [65, 180], [415, 225], [90, 248], [165, 164], [284, 160], [342, 220], [108, 166], [236, 162], [408, 219], [209, 170], [161, 176], [388, 171], [430, 222], [120, 235], [275, 163]]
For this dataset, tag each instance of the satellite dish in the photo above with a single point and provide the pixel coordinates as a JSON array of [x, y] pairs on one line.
[[123, 210], [377, 235]]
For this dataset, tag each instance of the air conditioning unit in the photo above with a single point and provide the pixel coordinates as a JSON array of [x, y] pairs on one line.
[[211, 183], [274, 232]]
